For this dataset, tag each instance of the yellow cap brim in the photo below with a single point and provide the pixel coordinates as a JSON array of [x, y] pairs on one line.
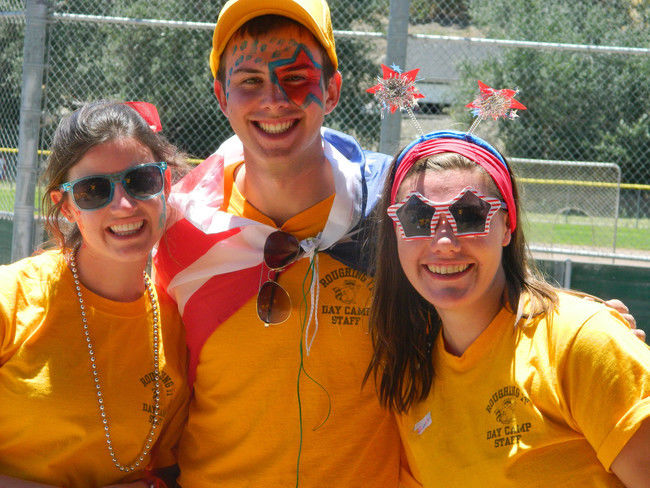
[[236, 13]]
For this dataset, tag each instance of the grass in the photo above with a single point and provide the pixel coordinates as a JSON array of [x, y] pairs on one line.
[[631, 234], [7, 197]]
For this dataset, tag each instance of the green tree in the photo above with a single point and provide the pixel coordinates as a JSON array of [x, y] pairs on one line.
[[581, 106], [169, 67], [165, 66], [444, 12]]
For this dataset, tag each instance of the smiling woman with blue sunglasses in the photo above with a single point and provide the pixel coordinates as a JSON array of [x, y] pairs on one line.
[[495, 376], [92, 358]]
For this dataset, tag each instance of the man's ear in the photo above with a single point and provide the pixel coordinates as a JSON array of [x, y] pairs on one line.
[[333, 92], [221, 96]]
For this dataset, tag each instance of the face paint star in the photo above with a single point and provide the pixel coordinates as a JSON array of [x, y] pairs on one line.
[[495, 103], [396, 90], [309, 88]]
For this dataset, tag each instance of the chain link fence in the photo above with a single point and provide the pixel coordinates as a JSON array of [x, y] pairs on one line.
[[582, 67], [12, 27]]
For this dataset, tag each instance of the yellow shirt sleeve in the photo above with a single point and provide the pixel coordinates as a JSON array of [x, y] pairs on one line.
[[12, 295], [605, 361], [5, 333]]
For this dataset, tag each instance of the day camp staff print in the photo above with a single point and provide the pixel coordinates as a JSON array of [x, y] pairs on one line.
[[168, 389], [339, 302], [509, 406], [292, 68]]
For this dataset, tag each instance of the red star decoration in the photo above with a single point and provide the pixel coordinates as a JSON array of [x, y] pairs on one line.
[[495, 103], [396, 90]]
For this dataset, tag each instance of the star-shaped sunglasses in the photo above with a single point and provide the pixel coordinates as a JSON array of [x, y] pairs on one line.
[[469, 214]]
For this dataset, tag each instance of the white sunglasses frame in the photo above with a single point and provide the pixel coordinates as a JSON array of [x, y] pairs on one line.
[[442, 208]]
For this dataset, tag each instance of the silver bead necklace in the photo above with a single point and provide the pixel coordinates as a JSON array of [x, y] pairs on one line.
[[100, 397]]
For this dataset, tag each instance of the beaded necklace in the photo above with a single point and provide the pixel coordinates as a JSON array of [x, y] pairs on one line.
[[100, 397]]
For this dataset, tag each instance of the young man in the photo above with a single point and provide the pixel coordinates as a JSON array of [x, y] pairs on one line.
[[277, 404], [278, 349]]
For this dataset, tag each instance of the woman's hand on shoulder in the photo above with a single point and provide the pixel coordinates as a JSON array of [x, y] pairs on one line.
[[621, 308]]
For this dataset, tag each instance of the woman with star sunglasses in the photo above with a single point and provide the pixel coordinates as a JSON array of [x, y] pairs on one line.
[[93, 387], [495, 375]]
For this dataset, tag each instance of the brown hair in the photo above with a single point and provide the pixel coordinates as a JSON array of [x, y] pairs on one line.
[[93, 124], [403, 325], [259, 26]]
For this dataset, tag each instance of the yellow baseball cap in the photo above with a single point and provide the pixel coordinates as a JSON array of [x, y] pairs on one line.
[[313, 14]]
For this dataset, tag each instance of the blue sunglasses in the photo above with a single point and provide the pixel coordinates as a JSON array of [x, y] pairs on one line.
[[142, 182]]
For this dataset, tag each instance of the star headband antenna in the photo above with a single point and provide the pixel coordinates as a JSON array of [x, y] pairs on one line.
[[397, 90], [494, 104]]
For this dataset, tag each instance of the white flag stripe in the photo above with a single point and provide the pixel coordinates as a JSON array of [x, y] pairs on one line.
[[346, 208], [240, 251]]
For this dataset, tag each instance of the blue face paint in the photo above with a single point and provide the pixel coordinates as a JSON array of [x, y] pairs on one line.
[[228, 83]]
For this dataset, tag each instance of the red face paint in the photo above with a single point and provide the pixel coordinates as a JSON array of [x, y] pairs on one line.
[[299, 77]]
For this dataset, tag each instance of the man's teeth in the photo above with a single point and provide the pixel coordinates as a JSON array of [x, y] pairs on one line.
[[126, 229], [447, 269], [275, 128]]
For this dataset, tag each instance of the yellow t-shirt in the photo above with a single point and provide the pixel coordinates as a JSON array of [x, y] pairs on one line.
[[536, 406], [258, 395], [50, 428]]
